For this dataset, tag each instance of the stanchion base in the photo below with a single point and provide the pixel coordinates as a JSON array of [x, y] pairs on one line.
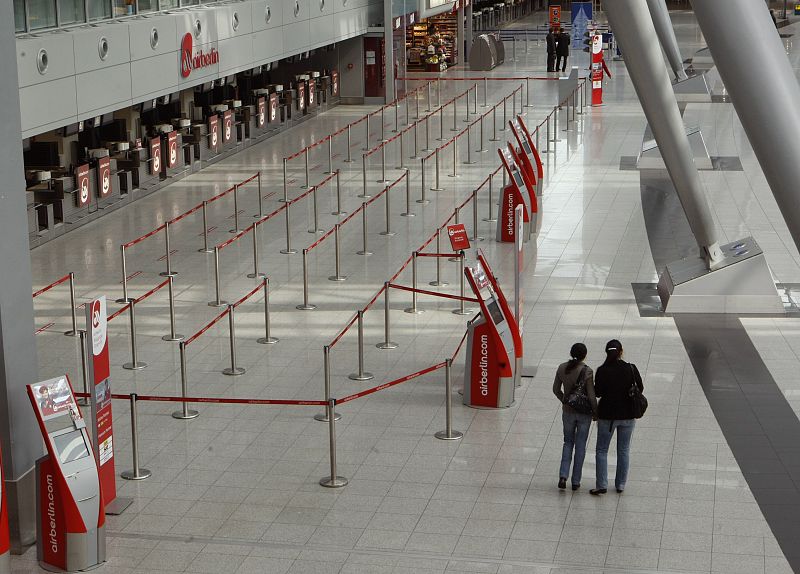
[[137, 366], [412, 311], [464, 312], [234, 230], [363, 196], [427, 149], [308, 307], [233, 371], [437, 189], [189, 414], [365, 253], [143, 474], [386, 233], [123, 301], [401, 215], [423, 201], [323, 417], [481, 150], [205, 251], [258, 215], [365, 376], [453, 175], [454, 435], [494, 139], [316, 231], [473, 162], [439, 283], [258, 275], [217, 303], [282, 200], [333, 481], [83, 402], [477, 238], [288, 251], [337, 278], [490, 219], [387, 345], [455, 130], [173, 338], [381, 181], [168, 273], [267, 340], [347, 160], [338, 213]]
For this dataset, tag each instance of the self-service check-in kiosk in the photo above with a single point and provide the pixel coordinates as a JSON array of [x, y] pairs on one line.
[[491, 348], [527, 154], [537, 159], [514, 193], [5, 541], [70, 515]]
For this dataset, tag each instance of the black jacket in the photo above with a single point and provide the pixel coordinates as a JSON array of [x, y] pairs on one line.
[[551, 43], [562, 44], [612, 383]]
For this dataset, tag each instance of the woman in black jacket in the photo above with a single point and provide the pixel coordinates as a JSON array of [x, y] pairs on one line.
[[612, 385]]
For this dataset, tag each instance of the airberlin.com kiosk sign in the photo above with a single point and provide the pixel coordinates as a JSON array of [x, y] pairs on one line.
[[192, 60]]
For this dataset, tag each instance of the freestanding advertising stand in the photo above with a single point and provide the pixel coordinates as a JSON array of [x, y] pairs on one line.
[[491, 348], [69, 505], [514, 193], [598, 69], [5, 543]]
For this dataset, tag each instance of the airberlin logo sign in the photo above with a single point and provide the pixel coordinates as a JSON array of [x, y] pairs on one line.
[[191, 60]]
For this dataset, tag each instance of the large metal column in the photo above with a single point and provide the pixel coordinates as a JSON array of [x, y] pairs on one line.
[[19, 432], [764, 91], [463, 55], [388, 42], [634, 30], [666, 35]]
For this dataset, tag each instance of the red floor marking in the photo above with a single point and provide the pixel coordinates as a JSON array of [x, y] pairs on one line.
[[173, 252], [241, 211], [44, 328]]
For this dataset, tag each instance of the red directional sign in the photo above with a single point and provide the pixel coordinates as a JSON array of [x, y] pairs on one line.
[[458, 237]]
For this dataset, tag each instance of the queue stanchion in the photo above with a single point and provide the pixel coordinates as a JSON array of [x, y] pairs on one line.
[[528, 93], [235, 209], [168, 256], [485, 92], [334, 480], [514, 101], [438, 282], [285, 198], [260, 213], [383, 125], [505, 114], [330, 155], [547, 134], [438, 93], [338, 195], [469, 161], [455, 115], [366, 134], [364, 194], [573, 106], [307, 169], [337, 256], [490, 210], [416, 140], [441, 125], [364, 251], [494, 137], [84, 374], [466, 107], [72, 311], [234, 370], [416, 105], [407, 212], [136, 473], [482, 148], [475, 99], [475, 236], [428, 109], [448, 433], [361, 375], [326, 362], [388, 231], [427, 147], [455, 157], [422, 199], [205, 248], [173, 336], [555, 124], [408, 113], [387, 342], [306, 306], [256, 274], [349, 145], [402, 152], [536, 137], [437, 183], [414, 310], [396, 117], [185, 413], [135, 364], [267, 339], [315, 211], [461, 309], [288, 250], [218, 302], [456, 221], [383, 165]]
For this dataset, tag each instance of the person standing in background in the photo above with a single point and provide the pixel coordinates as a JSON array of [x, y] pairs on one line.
[[551, 50], [562, 50]]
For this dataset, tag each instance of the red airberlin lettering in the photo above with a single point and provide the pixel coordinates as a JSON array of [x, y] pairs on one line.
[[191, 60]]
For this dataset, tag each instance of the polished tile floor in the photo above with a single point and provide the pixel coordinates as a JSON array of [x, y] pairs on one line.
[[236, 489]]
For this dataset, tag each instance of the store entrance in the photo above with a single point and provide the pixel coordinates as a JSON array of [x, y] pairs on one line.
[[431, 44]]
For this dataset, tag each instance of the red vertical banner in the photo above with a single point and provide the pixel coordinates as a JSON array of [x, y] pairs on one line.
[[227, 126], [155, 155], [555, 15], [262, 113], [484, 373], [301, 96], [100, 390], [52, 515], [312, 91], [598, 69], [82, 185], [172, 147], [213, 132], [103, 177], [334, 83], [459, 240], [273, 107]]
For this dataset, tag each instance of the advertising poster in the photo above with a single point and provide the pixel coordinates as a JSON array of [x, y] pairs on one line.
[[555, 15], [155, 155], [172, 145], [273, 108], [213, 132], [54, 398], [312, 90], [262, 113], [334, 83], [581, 17], [301, 96], [103, 177], [227, 122], [82, 185], [99, 372], [458, 237]]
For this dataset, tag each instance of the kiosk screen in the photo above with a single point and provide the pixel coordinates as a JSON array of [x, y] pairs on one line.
[[494, 311], [70, 446]]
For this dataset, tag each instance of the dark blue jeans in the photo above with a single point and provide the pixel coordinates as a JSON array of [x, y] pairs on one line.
[[605, 431], [576, 433]]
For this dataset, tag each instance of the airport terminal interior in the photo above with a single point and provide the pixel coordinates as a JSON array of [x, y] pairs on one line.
[[290, 255]]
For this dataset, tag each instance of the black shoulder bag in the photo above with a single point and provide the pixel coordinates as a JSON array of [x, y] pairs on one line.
[[638, 400], [578, 399]]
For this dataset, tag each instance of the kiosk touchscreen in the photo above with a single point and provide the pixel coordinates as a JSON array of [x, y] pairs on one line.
[[537, 160], [70, 517], [523, 153], [489, 374], [530, 184], [5, 544], [514, 193]]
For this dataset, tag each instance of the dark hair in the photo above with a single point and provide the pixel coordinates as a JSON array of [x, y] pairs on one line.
[[577, 353], [613, 351]]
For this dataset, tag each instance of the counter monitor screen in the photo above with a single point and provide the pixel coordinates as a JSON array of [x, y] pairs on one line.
[[70, 446], [494, 311]]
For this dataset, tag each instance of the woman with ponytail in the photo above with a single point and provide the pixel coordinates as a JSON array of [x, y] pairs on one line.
[[574, 388]]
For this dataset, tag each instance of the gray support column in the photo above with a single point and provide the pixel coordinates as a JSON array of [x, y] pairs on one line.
[[666, 35], [633, 29], [467, 32], [462, 57], [19, 433], [388, 42], [764, 91]]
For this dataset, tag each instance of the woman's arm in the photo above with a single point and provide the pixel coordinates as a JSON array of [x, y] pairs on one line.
[[637, 377], [557, 387], [590, 392]]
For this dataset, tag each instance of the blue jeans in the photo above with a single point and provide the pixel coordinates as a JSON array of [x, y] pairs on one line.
[[605, 430], [576, 433]]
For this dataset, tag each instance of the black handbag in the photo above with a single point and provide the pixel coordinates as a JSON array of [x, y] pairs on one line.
[[638, 400], [577, 399]]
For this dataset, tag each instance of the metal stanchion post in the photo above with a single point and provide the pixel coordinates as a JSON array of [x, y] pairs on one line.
[[427, 147], [402, 152], [256, 274], [364, 250], [338, 195], [469, 161], [308, 181], [461, 309], [383, 164], [306, 306], [84, 374], [337, 256], [455, 157], [383, 125], [349, 145], [441, 125], [366, 134], [260, 213], [387, 340], [288, 250], [235, 209], [168, 256], [416, 140], [72, 311], [396, 116], [388, 231], [528, 93], [547, 134], [485, 92], [205, 248], [334, 480], [267, 339], [185, 413], [475, 98], [438, 93], [407, 212], [455, 115], [217, 302], [482, 148], [437, 184], [448, 433], [475, 236], [494, 137], [330, 155], [233, 370], [490, 210], [439, 282], [424, 187], [416, 105], [505, 114], [136, 473], [428, 109], [173, 336], [315, 211], [364, 194], [326, 362], [135, 364], [414, 310], [361, 375], [285, 182]]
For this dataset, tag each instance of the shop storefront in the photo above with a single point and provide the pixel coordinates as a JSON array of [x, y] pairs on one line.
[[432, 43]]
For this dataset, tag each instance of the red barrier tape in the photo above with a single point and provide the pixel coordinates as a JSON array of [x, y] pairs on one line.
[[458, 349], [211, 400], [448, 255], [433, 293], [118, 313], [342, 333], [213, 322], [143, 237], [481, 78], [236, 237], [153, 290], [250, 294], [53, 284], [404, 379]]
